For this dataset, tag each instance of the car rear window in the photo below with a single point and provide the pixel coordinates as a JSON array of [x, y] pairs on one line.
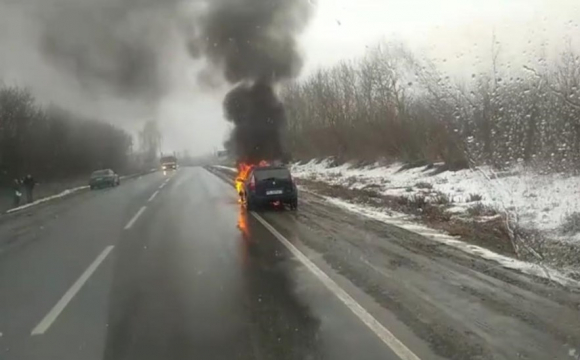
[[101, 173], [263, 174]]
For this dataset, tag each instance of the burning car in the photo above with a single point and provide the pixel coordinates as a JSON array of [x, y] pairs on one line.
[[265, 184]]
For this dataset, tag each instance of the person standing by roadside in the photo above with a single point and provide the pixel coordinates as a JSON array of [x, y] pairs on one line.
[[29, 184], [17, 192]]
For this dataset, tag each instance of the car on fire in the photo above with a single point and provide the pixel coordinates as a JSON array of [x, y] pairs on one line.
[[266, 185]]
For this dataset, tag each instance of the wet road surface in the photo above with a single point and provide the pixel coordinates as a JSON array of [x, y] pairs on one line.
[[169, 267]]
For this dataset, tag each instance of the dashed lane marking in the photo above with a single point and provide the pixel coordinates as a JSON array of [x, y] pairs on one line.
[[153, 196], [134, 219], [53, 314]]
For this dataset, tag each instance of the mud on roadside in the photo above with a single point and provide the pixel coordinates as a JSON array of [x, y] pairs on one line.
[[481, 226]]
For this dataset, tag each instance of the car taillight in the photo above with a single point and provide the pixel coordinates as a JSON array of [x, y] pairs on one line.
[[252, 184]]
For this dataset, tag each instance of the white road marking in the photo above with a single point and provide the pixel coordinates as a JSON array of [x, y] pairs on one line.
[[387, 337], [153, 196], [67, 297], [403, 352], [161, 186], [132, 221]]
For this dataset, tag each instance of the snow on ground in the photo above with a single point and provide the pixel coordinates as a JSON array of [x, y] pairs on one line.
[[402, 221], [541, 201], [40, 201]]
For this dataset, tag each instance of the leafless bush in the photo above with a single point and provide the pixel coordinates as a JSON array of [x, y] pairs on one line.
[[424, 185], [481, 210], [440, 199], [475, 197], [416, 201], [373, 108], [53, 144], [435, 214]]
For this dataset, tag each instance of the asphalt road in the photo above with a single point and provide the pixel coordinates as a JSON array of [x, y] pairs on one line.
[[170, 267]]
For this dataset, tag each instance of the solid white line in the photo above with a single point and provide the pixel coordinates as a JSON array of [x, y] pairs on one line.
[[373, 324], [153, 196], [132, 221], [67, 297]]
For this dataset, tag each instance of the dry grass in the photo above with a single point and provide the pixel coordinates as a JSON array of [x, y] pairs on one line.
[[441, 199], [481, 210], [491, 234]]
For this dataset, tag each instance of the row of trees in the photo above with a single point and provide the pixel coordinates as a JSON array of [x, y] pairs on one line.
[[51, 143], [390, 104]]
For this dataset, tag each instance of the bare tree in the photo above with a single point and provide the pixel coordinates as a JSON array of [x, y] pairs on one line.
[[53, 143], [393, 105]]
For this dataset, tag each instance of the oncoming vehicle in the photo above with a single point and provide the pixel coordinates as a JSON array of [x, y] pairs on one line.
[[104, 178], [269, 185], [168, 163]]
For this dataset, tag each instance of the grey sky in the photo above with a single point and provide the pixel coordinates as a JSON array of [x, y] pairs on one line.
[[456, 33]]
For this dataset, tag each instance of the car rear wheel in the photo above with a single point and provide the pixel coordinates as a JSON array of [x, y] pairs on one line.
[[294, 205], [250, 204]]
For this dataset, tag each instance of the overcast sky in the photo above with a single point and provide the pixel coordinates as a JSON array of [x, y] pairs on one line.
[[456, 33]]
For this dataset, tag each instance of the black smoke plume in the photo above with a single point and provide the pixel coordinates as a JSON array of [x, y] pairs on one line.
[[254, 42], [258, 118], [121, 49]]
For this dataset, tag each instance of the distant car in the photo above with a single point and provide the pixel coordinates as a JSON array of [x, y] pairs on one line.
[[169, 163], [104, 178], [269, 185]]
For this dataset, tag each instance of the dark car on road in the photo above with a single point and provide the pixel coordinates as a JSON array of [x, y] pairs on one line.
[[104, 178], [267, 185]]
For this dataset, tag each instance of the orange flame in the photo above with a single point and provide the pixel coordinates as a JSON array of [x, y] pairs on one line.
[[244, 170], [246, 239], [243, 225]]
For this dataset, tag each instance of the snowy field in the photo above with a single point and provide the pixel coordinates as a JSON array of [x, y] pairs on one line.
[[541, 202]]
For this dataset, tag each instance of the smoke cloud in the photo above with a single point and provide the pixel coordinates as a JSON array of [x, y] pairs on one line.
[[105, 57], [102, 59], [254, 43], [113, 44], [258, 118]]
